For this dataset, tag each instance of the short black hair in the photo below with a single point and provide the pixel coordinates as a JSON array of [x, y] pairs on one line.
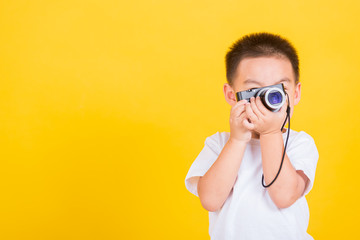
[[260, 44]]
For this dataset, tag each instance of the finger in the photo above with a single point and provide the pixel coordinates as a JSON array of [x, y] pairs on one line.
[[234, 109], [238, 104], [261, 106], [248, 125], [236, 113], [242, 116], [255, 108], [250, 113]]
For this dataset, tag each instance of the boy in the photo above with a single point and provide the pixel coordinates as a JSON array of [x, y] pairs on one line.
[[227, 173]]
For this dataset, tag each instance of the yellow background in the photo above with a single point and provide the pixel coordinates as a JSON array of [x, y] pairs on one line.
[[104, 105]]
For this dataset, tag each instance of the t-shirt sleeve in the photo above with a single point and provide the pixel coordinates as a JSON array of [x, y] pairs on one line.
[[304, 156], [203, 162]]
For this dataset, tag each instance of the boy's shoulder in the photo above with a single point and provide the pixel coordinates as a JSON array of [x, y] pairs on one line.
[[301, 135], [217, 140], [219, 137]]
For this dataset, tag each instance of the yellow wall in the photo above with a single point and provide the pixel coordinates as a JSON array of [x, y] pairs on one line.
[[104, 105]]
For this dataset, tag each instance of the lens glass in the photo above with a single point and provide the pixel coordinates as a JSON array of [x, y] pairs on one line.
[[275, 98]]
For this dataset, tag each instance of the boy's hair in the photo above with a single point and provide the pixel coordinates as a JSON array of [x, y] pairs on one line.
[[261, 44]]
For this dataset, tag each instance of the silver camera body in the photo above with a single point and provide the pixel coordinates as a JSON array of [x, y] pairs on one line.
[[273, 97]]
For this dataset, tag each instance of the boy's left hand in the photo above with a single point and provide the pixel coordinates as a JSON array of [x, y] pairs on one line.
[[264, 121]]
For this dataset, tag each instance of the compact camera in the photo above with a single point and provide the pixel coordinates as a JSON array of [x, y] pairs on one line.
[[273, 97]]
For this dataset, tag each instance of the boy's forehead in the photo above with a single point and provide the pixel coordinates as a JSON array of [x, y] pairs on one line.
[[263, 71]]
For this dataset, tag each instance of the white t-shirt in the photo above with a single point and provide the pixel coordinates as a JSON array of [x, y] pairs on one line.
[[249, 212]]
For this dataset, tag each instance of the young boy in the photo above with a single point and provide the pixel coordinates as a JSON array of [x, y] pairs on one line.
[[227, 174]]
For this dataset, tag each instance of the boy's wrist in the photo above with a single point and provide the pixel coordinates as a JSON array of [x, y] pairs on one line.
[[234, 141], [270, 134]]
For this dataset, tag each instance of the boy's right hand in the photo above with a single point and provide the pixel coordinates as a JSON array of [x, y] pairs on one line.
[[238, 132]]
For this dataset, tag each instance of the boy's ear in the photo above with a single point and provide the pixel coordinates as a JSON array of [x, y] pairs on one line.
[[297, 94], [229, 94]]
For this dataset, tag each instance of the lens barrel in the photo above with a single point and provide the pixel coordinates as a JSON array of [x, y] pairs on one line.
[[272, 98]]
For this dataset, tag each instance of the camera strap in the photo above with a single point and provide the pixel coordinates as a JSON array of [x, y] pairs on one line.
[[287, 138]]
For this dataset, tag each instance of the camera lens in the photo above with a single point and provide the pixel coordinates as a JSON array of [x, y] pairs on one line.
[[272, 98], [275, 98]]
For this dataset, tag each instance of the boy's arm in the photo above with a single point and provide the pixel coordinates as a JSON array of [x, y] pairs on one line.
[[215, 186], [290, 184]]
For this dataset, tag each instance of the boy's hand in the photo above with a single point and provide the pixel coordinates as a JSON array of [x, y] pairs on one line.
[[238, 131], [264, 121]]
